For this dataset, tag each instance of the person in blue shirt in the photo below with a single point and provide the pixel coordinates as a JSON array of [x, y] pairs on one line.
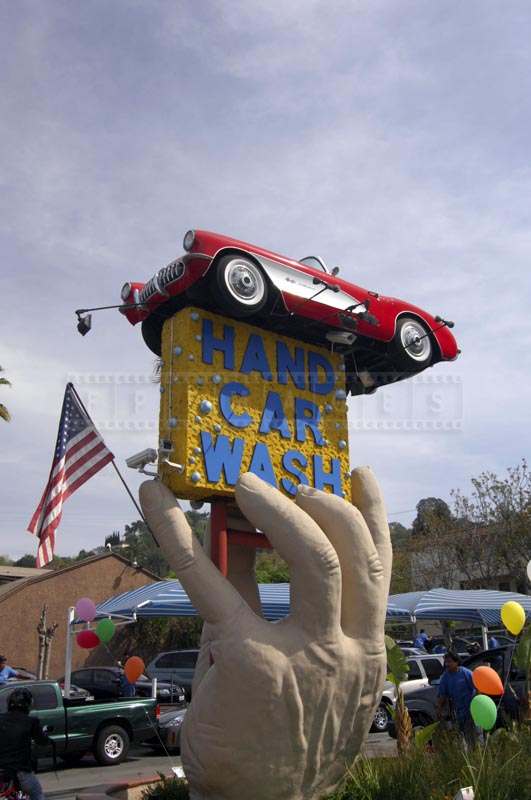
[[456, 685], [493, 642], [6, 672], [421, 640]]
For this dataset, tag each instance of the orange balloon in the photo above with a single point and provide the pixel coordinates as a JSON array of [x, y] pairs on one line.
[[133, 668], [487, 681]]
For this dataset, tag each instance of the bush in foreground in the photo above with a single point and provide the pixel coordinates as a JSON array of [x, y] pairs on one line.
[[502, 771]]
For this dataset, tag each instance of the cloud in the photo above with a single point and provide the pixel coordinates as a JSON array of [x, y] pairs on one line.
[[389, 138]]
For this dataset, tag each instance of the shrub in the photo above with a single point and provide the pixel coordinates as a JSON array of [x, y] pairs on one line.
[[167, 789], [501, 771]]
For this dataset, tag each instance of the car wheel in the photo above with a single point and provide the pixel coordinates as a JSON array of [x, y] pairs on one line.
[[239, 286], [412, 345], [380, 722], [112, 745]]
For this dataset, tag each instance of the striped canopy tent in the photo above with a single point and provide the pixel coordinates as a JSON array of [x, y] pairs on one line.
[[479, 606], [169, 599]]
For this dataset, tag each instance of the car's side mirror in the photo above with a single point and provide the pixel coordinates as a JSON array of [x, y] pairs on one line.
[[335, 271]]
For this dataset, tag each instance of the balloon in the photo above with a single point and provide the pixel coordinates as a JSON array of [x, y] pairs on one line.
[[105, 630], [87, 639], [513, 616], [529, 571], [483, 711], [134, 667], [85, 609], [487, 680]]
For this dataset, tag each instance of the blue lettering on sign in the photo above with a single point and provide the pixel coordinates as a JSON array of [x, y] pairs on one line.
[[294, 462], [255, 358], [307, 415], [321, 478], [316, 361], [225, 406], [210, 343], [287, 363], [222, 456], [261, 464], [273, 417]]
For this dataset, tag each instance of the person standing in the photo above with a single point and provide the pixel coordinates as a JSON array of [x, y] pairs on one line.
[[421, 640], [6, 672], [17, 731], [456, 685]]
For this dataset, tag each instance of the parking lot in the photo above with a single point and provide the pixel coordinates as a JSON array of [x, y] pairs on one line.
[[143, 762]]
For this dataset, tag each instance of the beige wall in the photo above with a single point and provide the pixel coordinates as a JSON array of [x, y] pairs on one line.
[[20, 609]]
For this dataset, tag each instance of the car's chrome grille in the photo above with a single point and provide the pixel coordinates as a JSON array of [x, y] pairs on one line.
[[158, 283]]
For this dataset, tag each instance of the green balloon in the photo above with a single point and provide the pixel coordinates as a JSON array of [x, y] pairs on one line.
[[483, 711], [105, 630]]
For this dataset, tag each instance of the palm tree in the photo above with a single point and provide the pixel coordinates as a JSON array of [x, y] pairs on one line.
[[398, 669], [4, 413]]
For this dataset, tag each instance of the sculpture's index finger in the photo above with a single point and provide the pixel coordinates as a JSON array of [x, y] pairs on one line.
[[213, 596]]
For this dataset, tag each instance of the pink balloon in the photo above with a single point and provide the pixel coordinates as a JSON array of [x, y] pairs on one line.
[[85, 609], [87, 639]]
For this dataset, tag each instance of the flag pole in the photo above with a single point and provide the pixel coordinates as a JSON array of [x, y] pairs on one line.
[[113, 462]]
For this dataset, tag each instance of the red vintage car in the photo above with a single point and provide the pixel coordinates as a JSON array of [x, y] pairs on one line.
[[382, 339]]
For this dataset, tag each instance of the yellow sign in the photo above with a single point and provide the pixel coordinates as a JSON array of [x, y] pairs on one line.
[[236, 398]]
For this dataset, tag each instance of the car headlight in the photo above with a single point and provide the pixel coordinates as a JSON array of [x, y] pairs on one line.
[[126, 291], [164, 692], [188, 240]]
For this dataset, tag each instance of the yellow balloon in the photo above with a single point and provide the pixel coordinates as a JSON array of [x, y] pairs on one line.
[[513, 616]]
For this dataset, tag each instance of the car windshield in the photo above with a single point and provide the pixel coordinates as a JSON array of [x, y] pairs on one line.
[[315, 262]]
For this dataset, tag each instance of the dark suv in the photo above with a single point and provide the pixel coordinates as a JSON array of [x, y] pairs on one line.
[[422, 703], [104, 683], [177, 665]]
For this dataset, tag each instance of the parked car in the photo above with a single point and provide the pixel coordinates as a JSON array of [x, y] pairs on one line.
[[168, 736], [176, 665], [104, 683], [383, 339], [76, 692], [422, 703], [78, 726], [423, 670]]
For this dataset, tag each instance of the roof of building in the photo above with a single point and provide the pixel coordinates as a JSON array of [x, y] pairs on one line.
[[48, 574], [9, 572]]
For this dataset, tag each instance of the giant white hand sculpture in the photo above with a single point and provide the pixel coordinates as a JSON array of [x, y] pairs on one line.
[[280, 709]]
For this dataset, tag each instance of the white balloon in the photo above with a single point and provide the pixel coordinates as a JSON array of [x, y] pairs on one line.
[[529, 571]]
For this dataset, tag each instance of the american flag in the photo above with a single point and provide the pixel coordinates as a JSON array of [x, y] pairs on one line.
[[80, 452]]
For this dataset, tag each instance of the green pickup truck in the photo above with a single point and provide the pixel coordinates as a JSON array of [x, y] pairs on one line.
[[79, 726]]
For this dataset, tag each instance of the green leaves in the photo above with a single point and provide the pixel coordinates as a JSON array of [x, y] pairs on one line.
[[522, 654], [423, 735], [397, 666]]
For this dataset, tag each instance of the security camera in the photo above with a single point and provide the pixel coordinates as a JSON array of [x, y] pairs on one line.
[[139, 460], [84, 323]]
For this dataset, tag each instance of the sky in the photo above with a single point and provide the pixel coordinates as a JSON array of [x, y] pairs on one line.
[[391, 138]]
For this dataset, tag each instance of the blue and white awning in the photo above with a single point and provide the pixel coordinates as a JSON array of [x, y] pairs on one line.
[[168, 599]]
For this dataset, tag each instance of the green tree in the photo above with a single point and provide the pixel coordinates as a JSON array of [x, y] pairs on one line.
[[26, 561], [4, 413], [432, 512], [271, 568]]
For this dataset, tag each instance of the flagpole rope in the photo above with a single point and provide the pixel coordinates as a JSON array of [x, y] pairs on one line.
[[122, 479]]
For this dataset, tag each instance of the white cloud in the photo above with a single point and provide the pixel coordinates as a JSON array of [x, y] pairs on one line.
[[390, 138]]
